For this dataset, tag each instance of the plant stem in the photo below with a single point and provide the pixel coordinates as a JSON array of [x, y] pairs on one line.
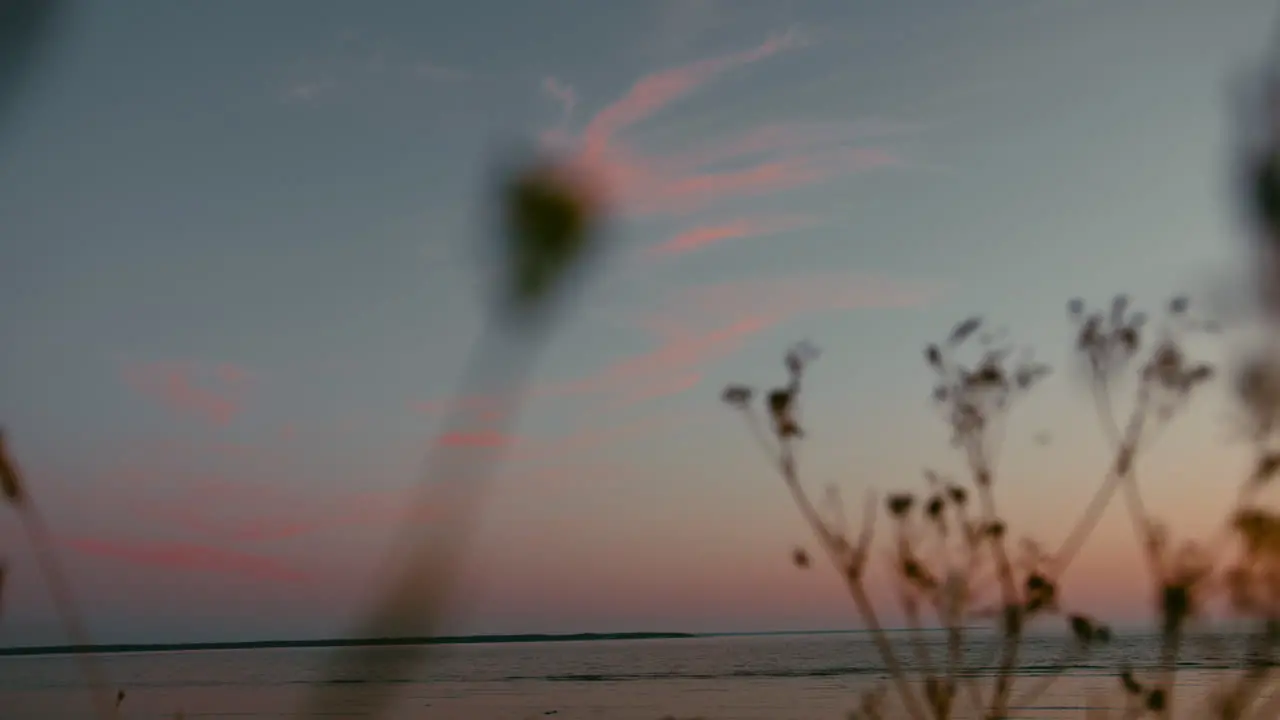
[[1011, 614], [423, 559], [1171, 640], [67, 608], [863, 604], [1125, 446]]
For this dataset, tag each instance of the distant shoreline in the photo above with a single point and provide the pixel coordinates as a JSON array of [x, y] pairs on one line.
[[334, 642], [116, 648]]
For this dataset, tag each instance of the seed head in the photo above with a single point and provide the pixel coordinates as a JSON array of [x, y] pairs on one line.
[[800, 558], [900, 504]]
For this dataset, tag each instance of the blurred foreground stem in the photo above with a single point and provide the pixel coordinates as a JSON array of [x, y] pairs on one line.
[[429, 547], [549, 218], [17, 493]]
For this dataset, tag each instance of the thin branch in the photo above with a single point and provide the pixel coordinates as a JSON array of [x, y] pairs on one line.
[[60, 590], [1011, 610], [787, 468]]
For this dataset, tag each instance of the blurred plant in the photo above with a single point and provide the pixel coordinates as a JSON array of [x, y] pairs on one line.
[[550, 225], [16, 493], [27, 28]]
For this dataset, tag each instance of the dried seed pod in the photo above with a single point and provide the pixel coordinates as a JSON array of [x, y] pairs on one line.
[[1082, 628], [738, 396], [934, 507], [963, 330], [800, 558], [1041, 593], [780, 409], [933, 356], [900, 504]]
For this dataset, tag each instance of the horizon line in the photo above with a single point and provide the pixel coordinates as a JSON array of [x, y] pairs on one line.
[[470, 639]]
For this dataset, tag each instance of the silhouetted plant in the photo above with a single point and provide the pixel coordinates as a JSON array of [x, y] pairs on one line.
[[951, 544]]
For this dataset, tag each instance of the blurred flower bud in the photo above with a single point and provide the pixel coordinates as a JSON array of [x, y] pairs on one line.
[[551, 219]]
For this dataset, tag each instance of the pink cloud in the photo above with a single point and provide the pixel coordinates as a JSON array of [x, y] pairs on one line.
[[228, 511], [482, 438], [376, 507], [656, 91], [695, 190], [700, 326], [653, 389], [785, 137], [215, 396], [704, 325], [704, 236], [769, 159], [246, 513], [188, 557], [673, 357], [232, 376]]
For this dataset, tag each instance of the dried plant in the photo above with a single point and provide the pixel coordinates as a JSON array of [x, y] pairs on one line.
[[951, 556]]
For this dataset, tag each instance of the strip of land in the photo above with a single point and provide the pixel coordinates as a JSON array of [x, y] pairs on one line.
[[330, 642]]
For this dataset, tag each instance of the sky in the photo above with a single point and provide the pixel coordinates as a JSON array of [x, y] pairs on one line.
[[247, 248]]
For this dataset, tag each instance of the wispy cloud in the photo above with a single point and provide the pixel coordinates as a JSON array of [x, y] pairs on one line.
[[695, 328], [768, 159], [232, 512], [214, 394], [188, 557], [697, 189], [211, 512], [480, 438], [704, 236], [600, 141], [698, 327]]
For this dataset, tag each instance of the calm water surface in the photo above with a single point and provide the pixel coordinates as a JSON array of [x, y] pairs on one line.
[[777, 677]]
